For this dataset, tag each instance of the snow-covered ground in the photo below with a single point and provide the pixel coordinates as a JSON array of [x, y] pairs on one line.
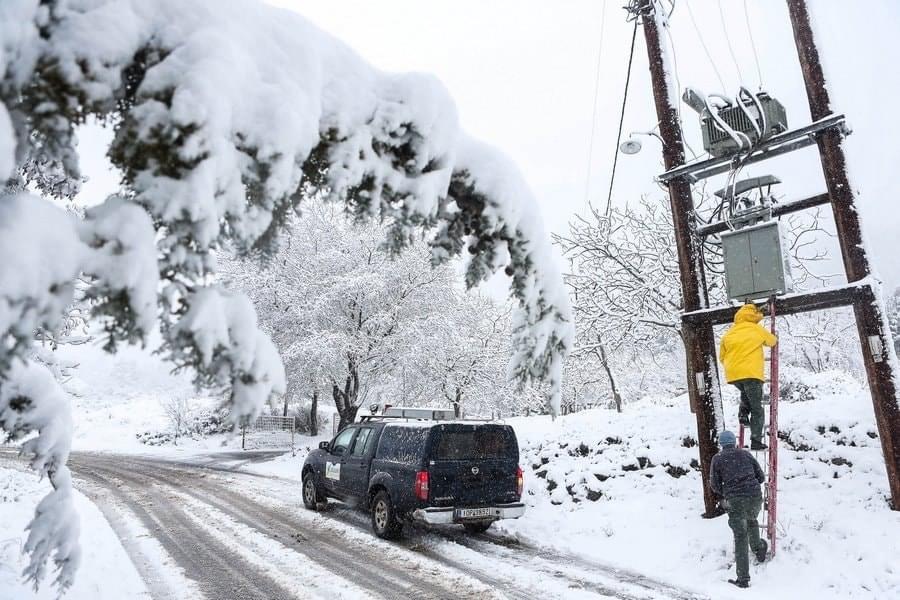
[[624, 491], [102, 553], [620, 489]]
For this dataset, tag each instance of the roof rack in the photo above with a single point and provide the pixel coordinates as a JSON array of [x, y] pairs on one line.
[[420, 414]]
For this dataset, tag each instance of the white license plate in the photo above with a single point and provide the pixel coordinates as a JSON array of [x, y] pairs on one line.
[[474, 513]]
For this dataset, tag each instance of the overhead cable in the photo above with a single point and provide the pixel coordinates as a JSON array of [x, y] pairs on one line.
[[737, 67], [703, 43], [753, 45], [612, 178]]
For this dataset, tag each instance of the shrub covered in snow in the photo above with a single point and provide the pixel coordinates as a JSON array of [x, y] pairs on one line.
[[227, 115]]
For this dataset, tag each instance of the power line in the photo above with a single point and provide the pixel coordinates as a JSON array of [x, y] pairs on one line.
[[612, 178], [753, 44], [703, 43], [587, 182], [728, 41]]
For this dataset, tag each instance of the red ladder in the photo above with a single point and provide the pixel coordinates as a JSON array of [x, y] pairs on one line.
[[770, 455]]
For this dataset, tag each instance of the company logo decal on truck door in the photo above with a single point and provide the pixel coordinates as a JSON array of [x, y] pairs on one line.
[[333, 471]]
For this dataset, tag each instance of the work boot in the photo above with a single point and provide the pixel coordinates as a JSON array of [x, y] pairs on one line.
[[762, 551], [741, 583], [744, 417], [757, 445]]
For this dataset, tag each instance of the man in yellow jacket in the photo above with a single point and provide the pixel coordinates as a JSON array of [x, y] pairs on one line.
[[742, 354]]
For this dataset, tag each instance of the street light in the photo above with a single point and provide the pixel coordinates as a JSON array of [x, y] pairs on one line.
[[633, 145]]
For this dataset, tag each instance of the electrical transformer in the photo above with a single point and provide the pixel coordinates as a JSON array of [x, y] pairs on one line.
[[756, 262], [719, 143]]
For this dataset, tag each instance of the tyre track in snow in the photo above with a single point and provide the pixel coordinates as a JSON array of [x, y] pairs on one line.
[[486, 543], [489, 543], [353, 562], [218, 572], [332, 554], [513, 556], [587, 576]]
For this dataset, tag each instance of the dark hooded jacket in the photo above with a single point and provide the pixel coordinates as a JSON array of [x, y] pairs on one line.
[[734, 472]]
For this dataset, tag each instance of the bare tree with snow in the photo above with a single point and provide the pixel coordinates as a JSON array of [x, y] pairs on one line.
[[625, 280], [177, 410]]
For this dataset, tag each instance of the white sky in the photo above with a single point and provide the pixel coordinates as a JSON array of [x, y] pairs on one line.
[[522, 73]]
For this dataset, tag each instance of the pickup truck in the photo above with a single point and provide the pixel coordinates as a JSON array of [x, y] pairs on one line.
[[405, 470]]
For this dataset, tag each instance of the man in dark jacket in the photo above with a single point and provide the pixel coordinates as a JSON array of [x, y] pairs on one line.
[[735, 476]]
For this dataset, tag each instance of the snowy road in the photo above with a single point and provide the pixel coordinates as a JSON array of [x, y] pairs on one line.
[[239, 535]]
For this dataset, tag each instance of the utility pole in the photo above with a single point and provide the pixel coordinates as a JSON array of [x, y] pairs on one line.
[[874, 335], [703, 377]]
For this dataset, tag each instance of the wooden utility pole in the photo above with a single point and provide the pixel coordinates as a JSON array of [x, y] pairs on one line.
[[703, 377], [874, 335]]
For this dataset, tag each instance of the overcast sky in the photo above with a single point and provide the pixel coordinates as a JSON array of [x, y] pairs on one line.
[[523, 75], [523, 72]]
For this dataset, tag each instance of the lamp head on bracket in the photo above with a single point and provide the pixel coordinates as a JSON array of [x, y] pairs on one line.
[[630, 146]]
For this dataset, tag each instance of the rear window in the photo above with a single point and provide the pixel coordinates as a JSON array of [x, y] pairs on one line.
[[402, 444], [474, 443]]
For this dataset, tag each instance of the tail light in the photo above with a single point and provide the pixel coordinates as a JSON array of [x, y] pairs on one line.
[[421, 486], [520, 481]]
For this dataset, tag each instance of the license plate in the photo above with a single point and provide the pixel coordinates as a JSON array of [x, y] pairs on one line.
[[475, 513]]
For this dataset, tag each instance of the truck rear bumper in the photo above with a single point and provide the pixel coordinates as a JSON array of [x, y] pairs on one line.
[[446, 515]]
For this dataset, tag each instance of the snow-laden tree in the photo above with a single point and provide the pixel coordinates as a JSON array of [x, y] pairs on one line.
[[625, 281], [226, 115], [362, 325], [467, 367], [820, 341], [342, 309]]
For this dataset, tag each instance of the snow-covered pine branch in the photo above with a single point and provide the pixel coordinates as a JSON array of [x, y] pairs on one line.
[[226, 116], [31, 401]]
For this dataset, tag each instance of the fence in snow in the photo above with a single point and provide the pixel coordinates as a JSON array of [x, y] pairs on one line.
[[269, 431]]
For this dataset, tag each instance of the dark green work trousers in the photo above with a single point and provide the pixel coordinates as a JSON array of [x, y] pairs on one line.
[[742, 518], [751, 404]]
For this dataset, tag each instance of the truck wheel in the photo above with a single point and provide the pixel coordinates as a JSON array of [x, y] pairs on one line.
[[384, 520], [311, 494], [477, 527]]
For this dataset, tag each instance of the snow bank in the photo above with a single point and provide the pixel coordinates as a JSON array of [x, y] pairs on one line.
[[102, 557], [625, 489]]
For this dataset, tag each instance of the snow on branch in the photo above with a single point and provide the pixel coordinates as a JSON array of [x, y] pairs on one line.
[[218, 336], [32, 401], [121, 259]]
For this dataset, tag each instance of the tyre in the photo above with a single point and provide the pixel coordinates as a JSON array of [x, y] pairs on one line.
[[477, 527], [311, 494], [384, 520]]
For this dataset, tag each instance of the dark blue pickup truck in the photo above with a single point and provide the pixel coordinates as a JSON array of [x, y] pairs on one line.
[[419, 470]]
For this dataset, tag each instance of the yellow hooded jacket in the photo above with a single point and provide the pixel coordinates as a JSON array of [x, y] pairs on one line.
[[741, 350]]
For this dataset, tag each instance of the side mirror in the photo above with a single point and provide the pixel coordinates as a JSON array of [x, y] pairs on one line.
[[324, 445]]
